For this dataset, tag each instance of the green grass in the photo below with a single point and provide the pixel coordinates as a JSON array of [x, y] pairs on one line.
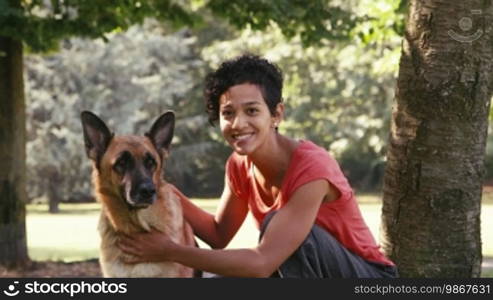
[[72, 235], [487, 273]]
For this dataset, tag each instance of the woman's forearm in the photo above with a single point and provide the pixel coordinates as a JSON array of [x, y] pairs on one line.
[[202, 222]]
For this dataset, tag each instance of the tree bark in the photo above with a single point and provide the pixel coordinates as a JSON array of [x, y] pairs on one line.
[[435, 160], [13, 246]]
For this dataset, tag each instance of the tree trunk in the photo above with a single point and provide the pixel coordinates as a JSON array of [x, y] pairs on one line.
[[52, 184], [53, 205], [13, 247], [435, 161]]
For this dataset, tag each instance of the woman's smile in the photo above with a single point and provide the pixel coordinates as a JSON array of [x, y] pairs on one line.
[[242, 136]]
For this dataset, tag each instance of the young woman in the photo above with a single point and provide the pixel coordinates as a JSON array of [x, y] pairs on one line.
[[309, 220]]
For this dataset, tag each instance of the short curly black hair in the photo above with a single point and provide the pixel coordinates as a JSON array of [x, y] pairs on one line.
[[247, 68]]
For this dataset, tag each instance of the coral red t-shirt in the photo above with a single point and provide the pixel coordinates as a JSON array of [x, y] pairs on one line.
[[309, 162]]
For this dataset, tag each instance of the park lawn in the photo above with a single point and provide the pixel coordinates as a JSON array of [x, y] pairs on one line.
[[72, 234]]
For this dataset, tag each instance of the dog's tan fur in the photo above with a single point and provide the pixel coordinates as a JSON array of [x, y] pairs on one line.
[[164, 214]]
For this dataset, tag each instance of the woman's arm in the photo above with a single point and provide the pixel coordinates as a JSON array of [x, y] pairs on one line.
[[217, 231], [285, 233]]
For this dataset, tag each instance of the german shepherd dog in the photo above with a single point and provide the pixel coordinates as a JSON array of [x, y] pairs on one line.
[[127, 180]]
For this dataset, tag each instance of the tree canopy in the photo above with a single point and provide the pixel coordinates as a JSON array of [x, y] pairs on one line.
[[41, 24]]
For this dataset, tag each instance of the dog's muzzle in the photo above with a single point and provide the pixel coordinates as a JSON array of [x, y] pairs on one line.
[[143, 195]]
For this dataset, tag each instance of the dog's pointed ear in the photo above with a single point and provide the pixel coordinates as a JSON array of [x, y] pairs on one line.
[[161, 132], [97, 136]]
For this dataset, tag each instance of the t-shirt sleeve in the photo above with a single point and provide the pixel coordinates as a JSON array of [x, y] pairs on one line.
[[315, 165]]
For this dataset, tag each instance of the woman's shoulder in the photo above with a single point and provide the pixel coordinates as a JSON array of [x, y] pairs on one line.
[[309, 151], [311, 159], [315, 162]]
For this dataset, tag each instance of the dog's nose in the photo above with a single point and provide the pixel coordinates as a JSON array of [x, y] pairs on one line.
[[146, 190]]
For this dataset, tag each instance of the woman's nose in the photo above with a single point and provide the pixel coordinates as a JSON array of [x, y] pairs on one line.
[[238, 121]]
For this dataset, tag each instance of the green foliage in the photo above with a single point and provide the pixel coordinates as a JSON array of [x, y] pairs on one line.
[[385, 20], [313, 21], [41, 24], [318, 22]]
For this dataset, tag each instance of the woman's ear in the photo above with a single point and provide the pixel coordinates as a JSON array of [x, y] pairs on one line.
[[279, 115]]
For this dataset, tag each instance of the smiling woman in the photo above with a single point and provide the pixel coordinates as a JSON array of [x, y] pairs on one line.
[[310, 224]]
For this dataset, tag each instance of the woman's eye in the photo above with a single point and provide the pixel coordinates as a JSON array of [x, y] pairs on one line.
[[252, 111], [226, 113]]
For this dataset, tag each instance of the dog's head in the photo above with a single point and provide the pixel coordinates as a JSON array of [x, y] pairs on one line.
[[128, 165]]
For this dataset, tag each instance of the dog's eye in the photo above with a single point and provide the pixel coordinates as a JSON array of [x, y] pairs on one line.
[[150, 163], [120, 165]]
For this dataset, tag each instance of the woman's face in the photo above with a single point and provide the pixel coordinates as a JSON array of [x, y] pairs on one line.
[[244, 118]]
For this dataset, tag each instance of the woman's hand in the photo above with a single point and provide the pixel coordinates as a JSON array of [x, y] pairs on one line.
[[153, 246]]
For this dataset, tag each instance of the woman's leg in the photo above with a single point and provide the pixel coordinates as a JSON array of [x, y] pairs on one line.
[[322, 256]]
